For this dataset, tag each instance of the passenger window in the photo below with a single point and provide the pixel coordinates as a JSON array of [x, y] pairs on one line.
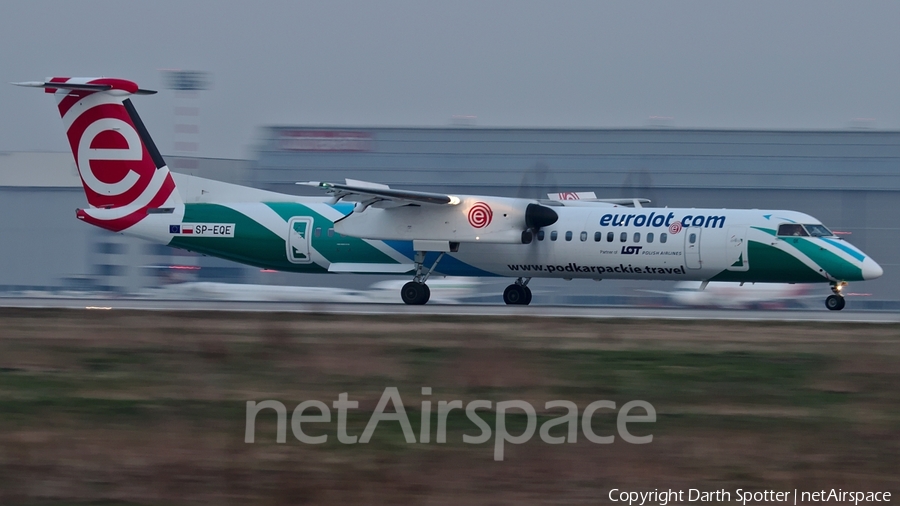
[[598, 236], [692, 238], [650, 237], [637, 237], [568, 235], [553, 235], [663, 237], [330, 232], [792, 229], [540, 235], [623, 237], [583, 236], [610, 237], [317, 232]]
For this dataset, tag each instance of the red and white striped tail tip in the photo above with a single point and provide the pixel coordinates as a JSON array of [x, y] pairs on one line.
[[117, 86]]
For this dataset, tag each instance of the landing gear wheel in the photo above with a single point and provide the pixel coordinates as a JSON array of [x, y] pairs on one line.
[[834, 302], [415, 294], [516, 295]]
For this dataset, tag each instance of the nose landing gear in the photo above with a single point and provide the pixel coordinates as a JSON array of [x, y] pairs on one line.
[[836, 302], [518, 293]]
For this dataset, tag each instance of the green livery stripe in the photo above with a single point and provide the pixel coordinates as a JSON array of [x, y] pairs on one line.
[[766, 230], [252, 244], [257, 245], [827, 260], [833, 264], [769, 264], [338, 248]]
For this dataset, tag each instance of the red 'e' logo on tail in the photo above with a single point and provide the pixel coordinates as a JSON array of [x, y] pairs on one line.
[[114, 163]]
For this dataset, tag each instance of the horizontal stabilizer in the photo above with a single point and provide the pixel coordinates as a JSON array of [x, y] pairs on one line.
[[51, 87]]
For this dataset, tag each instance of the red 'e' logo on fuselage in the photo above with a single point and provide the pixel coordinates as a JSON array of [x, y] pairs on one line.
[[480, 215]]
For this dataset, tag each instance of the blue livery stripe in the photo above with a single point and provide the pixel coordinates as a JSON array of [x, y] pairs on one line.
[[449, 265], [846, 249]]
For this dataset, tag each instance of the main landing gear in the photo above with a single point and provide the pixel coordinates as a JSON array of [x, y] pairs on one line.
[[836, 302], [416, 292], [518, 293]]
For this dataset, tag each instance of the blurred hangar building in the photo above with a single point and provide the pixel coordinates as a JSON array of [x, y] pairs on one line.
[[849, 179], [45, 248]]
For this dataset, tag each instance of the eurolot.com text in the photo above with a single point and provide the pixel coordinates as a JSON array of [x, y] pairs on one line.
[[311, 412]]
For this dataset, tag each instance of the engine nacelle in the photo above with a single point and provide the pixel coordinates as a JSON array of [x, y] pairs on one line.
[[473, 219]]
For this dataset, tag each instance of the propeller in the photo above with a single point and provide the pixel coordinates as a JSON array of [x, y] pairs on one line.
[[536, 217]]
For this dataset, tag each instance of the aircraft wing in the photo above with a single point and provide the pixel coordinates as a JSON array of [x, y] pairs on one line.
[[422, 216], [380, 195]]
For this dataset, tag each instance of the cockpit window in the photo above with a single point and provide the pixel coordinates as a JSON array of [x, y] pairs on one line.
[[792, 229], [797, 230], [818, 230]]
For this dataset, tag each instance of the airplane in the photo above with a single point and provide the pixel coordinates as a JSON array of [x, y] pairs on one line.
[[365, 227]]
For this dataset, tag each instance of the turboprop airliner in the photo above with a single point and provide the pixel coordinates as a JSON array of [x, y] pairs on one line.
[[364, 227]]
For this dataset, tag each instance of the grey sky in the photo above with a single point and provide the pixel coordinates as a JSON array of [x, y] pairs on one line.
[[800, 64]]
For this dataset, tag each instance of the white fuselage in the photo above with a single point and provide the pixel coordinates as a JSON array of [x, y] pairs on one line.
[[642, 243]]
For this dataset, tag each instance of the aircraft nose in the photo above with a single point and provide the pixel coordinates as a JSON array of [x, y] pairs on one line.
[[871, 269]]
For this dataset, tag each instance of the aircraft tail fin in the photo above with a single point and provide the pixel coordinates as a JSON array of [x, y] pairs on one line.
[[121, 169]]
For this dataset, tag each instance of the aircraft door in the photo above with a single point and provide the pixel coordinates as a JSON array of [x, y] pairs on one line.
[[736, 257], [692, 247], [299, 230]]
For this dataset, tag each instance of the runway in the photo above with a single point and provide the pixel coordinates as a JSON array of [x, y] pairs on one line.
[[846, 316]]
